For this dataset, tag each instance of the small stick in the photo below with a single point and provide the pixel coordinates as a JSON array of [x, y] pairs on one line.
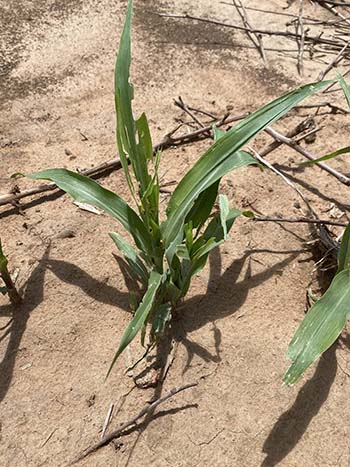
[[333, 63], [333, 108], [254, 37], [291, 134], [294, 145], [328, 6], [325, 237], [301, 41], [278, 13], [328, 88], [285, 179], [315, 39], [107, 420], [333, 2], [146, 410], [299, 220], [204, 112], [308, 133], [180, 103]]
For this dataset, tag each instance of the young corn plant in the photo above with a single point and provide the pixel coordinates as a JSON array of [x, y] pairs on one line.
[[168, 252], [327, 317]]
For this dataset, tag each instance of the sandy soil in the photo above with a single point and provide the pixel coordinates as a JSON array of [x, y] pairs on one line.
[[56, 99]]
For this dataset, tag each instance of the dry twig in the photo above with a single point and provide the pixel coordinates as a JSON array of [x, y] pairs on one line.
[[313, 39], [331, 6], [145, 411], [336, 60], [323, 232], [301, 42], [299, 220], [254, 37]]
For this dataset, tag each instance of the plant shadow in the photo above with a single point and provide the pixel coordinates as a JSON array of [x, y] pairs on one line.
[[292, 424], [32, 293], [98, 290], [224, 297]]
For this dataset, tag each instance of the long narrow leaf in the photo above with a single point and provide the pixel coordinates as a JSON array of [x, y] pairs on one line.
[[126, 126], [212, 237], [320, 328], [203, 205], [345, 88], [132, 257], [344, 251], [85, 190], [140, 316], [3, 259], [327, 156], [224, 213], [223, 157]]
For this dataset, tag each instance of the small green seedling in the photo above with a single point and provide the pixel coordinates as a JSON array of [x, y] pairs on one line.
[[10, 287], [169, 252]]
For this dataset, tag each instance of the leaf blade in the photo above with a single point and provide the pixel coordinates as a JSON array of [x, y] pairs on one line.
[[126, 125], [131, 256], [331, 155], [344, 250], [217, 161], [320, 328], [140, 316], [85, 190]]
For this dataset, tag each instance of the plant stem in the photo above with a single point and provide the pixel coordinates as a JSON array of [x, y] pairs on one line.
[[15, 297]]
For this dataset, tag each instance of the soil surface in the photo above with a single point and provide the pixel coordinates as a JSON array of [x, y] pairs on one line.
[[57, 108]]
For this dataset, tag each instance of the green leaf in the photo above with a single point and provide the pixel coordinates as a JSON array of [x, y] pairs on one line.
[[161, 317], [215, 229], [344, 251], [320, 328], [144, 146], [3, 290], [3, 260], [218, 133], [212, 237], [248, 214], [140, 316], [126, 127], [224, 156], [203, 205], [224, 213], [345, 88], [85, 190], [132, 257], [327, 156]]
